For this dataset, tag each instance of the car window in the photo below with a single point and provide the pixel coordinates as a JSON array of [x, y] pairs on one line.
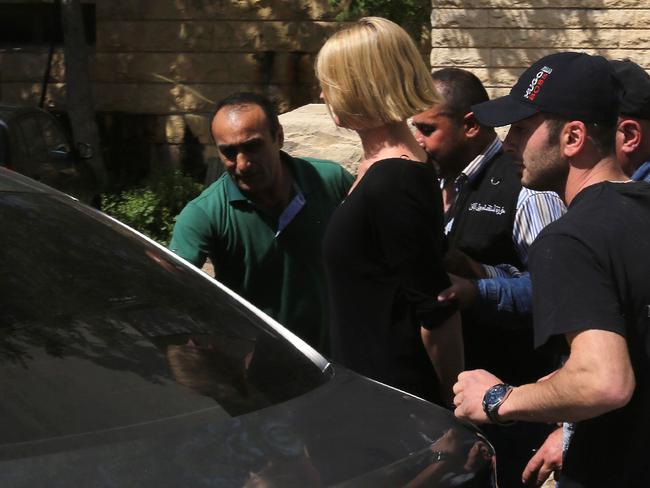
[[100, 330], [32, 138], [55, 139]]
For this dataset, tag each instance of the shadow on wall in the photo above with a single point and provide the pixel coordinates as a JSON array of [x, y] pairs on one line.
[[497, 39], [208, 49]]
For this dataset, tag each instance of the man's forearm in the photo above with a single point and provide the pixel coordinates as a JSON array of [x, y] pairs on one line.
[[581, 389], [596, 379], [548, 401]]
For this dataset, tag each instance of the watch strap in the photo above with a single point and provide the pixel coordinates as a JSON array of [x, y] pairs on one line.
[[492, 410]]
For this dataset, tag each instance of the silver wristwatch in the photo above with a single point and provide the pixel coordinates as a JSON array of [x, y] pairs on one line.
[[493, 399]]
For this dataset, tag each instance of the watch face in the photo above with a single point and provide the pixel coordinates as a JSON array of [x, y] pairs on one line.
[[495, 394]]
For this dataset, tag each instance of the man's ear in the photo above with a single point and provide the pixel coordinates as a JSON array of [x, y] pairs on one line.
[[573, 138], [471, 125], [631, 131]]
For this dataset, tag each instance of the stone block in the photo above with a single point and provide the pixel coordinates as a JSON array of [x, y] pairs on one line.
[[447, 18], [561, 39], [25, 93], [466, 57], [158, 98], [27, 66], [290, 36], [178, 98], [540, 18], [294, 67], [517, 59], [309, 131], [116, 97], [224, 67], [174, 67], [546, 4], [478, 58], [134, 36], [596, 19], [197, 36], [213, 9], [113, 67], [497, 76]]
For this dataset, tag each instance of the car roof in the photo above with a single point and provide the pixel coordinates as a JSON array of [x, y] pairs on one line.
[[10, 181]]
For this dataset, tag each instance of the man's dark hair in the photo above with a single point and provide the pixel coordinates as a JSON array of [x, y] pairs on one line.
[[602, 134], [250, 98], [460, 89]]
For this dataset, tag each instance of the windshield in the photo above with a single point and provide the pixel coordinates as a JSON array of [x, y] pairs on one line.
[[100, 330]]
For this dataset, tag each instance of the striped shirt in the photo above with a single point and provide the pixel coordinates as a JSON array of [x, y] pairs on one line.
[[534, 211]]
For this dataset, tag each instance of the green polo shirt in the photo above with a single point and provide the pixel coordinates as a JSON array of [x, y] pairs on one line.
[[280, 272]]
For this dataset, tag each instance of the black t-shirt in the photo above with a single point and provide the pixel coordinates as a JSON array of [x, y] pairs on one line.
[[383, 258], [591, 270]]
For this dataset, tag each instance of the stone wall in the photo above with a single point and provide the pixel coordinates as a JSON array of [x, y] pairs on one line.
[[498, 39], [158, 66], [309, 131], [172, 59]]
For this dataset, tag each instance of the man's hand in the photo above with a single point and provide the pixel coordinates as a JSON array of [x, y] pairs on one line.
[[459, 263], [469, 391], [547, 459], [462, 289]]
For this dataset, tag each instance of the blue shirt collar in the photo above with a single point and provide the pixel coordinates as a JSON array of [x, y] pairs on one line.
[[642, 173]]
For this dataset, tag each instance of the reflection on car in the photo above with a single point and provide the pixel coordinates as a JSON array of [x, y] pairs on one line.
[[122, 365], [34, 143]]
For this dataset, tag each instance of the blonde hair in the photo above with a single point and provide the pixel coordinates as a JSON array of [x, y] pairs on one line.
[[372, 74]]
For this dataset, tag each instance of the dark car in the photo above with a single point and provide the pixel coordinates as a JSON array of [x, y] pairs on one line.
[[34, 143], [123, 366]]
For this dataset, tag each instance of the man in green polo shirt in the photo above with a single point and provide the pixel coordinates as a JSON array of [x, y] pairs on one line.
[[262, 222]]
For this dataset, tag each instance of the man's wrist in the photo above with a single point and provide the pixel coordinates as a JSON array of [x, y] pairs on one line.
[[505, 415], [493, 401]]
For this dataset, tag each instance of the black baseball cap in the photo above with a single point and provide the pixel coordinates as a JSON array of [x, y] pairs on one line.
[[577, 86], [635, 99]]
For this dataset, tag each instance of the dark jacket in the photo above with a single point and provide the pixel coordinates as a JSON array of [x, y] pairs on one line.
[[484, 214]]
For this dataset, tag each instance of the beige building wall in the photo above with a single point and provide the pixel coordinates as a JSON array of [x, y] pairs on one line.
[[159, 66], [498, 39]]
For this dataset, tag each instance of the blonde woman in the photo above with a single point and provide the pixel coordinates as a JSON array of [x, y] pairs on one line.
[[383, 246]]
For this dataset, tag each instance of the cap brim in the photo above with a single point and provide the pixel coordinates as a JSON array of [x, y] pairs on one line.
[[503, 111]]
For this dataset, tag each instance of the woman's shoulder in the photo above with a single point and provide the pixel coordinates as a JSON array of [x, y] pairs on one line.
[[398, 176], [392, 167], [394, 170]]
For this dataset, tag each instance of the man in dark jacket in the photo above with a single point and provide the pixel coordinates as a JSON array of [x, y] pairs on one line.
[[490, 223]]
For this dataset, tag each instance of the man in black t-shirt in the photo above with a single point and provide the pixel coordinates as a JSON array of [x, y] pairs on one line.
[[589, 269]]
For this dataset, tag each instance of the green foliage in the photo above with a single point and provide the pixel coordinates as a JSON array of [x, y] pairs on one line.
[[152, 210], [413, 15]]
